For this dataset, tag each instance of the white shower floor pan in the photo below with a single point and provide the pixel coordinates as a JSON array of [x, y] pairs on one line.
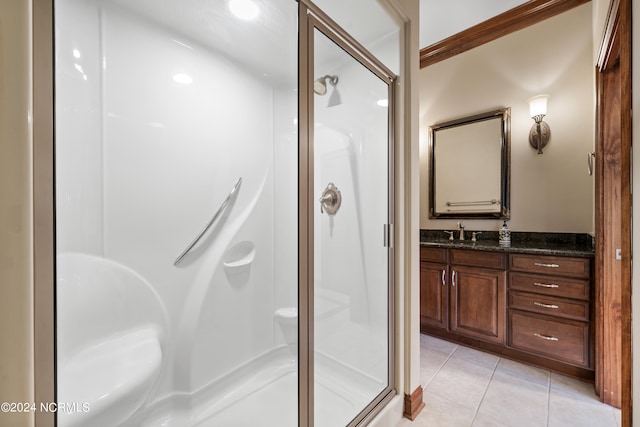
[[265, 393]]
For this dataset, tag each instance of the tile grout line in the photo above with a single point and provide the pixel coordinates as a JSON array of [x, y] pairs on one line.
[[548, 397], [485, 392], [440, 368]]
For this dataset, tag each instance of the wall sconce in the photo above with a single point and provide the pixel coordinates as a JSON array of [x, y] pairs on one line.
[[540, 133]]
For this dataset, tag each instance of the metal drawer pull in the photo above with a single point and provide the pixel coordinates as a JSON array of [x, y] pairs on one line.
[[443, 277], [453, 278], [545, 337], [539, 304], [541, 264], [544, 285]]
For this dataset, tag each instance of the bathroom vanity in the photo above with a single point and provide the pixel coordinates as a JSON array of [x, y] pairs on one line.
[[530, 302]]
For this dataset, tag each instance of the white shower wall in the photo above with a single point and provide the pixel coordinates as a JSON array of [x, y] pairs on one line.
[[79, 159], [143, 163], [285, 199]]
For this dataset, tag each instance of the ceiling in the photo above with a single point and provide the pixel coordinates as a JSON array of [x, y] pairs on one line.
[[440, 19], [209, 23], [266, 45]]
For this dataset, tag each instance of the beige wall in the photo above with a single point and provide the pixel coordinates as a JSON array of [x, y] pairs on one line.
[[600, 9], [407, 276], [550, 192], [16, 231], [408, 212]]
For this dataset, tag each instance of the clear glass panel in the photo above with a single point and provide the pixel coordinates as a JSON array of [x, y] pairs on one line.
[[351, 262], [167, 113], [371, 23]]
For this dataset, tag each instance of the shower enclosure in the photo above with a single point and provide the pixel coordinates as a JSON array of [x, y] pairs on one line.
[[224, 214]]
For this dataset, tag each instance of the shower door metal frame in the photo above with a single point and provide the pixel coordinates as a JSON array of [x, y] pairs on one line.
[[310, 18], [44, 256]]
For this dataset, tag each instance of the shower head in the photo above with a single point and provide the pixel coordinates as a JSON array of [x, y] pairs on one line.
[[320, 84], [320, 88]]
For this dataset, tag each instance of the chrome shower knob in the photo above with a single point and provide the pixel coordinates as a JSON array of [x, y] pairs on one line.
[[330, 200]]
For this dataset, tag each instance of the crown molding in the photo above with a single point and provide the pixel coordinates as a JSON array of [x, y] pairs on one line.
[[515, 19]]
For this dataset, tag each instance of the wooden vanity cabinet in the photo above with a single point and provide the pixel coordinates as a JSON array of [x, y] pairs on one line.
[[549, 307], [463, 291], [434, 291], [477, 294], [533, 308]]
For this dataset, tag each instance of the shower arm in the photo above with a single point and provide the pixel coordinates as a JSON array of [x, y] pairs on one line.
[[332, 79], [206, 227]]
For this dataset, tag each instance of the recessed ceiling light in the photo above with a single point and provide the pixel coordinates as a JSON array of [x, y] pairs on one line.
[[244, 9], [185, 79]]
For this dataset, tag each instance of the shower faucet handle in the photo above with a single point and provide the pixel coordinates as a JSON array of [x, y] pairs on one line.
[[330, 200], [327, 199]]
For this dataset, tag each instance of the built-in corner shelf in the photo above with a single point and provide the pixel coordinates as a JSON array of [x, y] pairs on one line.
[[240, 256]]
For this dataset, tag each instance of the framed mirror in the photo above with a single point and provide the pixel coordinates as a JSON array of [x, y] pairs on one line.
[[469, 161]]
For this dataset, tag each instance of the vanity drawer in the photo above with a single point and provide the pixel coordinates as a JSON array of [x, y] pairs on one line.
[[438, 255], [562, 266], [548, 285], [571, 309], [564, 340], [475, 258]]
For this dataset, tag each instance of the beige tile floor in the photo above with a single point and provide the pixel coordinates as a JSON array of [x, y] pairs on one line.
[[465, 387]]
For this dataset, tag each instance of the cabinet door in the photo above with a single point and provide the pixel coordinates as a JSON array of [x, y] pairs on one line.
[[433, 295], [478, 303]]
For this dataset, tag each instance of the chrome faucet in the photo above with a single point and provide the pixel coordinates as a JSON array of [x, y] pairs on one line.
[[461, 228]]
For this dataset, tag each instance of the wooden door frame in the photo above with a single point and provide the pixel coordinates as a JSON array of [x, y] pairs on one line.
[[616, 46]]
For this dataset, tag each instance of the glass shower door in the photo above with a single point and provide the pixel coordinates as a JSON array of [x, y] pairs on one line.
[[352, 254]]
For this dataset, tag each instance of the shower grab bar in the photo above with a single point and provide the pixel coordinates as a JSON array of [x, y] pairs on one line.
[[206, 227]]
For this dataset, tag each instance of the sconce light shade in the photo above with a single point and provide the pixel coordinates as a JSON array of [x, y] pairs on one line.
[[540, 132], [538, 105]]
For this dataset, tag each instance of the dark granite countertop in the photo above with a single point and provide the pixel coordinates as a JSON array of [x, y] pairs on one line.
[[558, 244]]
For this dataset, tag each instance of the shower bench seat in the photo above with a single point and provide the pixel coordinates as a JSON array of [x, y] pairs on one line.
[[109, 380]]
